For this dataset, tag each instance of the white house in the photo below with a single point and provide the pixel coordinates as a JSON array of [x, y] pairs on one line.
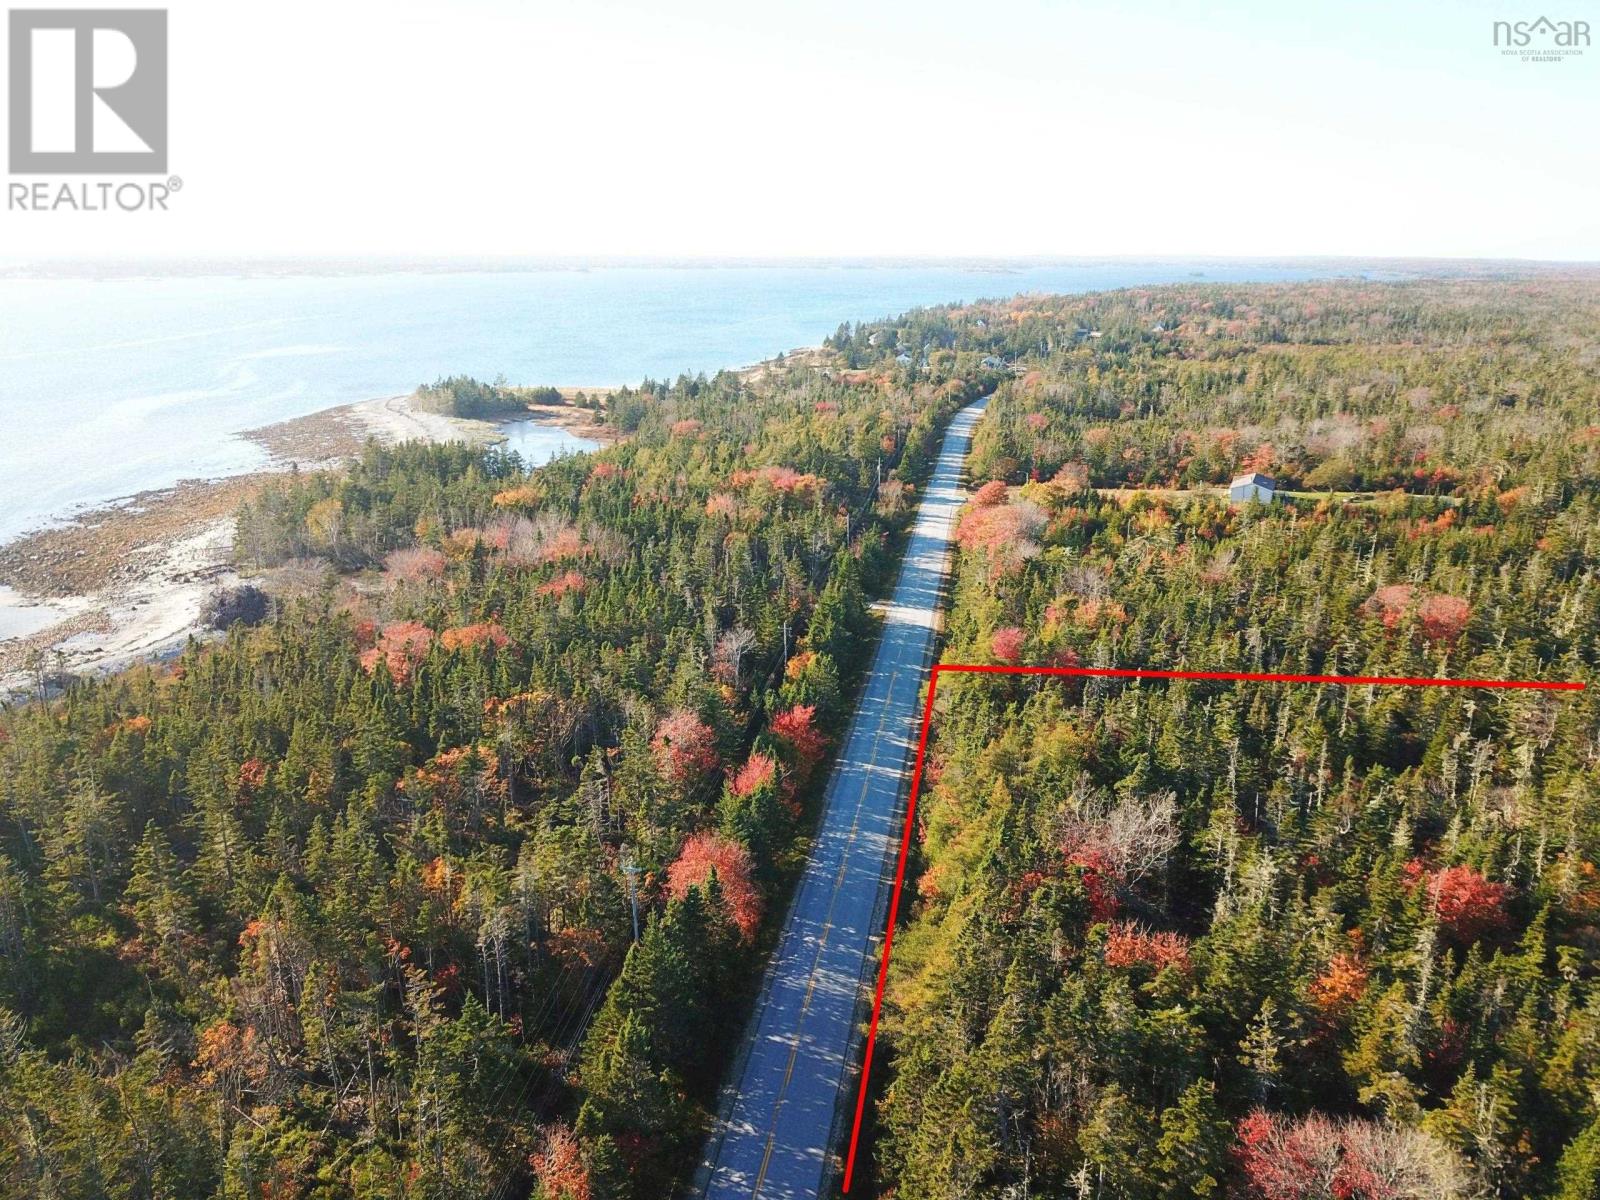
[[1252, 486]]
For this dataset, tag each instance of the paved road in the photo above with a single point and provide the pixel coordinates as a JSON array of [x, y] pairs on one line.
[[775, 1141]]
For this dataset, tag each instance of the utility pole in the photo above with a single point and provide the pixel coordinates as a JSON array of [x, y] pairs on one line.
[[631, 871]]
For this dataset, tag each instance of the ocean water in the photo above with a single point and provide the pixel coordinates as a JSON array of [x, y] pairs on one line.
[[109, 387]]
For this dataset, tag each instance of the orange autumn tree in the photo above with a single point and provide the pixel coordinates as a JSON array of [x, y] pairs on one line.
[[484, 633], [1337, 989], [990, 494], [401, 647], [559, 1167], [1129, 945]]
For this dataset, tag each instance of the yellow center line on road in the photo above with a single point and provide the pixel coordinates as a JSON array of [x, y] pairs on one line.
[[822, 943]]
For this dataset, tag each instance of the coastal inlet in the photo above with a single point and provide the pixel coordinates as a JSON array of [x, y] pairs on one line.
[[131, 581]]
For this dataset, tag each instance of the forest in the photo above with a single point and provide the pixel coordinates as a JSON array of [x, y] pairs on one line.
[[463, 396], [450, 878], [453, 876], [1263, 940]]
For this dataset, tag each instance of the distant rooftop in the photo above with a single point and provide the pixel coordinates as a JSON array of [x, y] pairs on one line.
[[1256, 478]]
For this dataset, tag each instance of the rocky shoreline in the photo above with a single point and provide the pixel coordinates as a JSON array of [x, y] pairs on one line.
[[104, 548], [128, 582]]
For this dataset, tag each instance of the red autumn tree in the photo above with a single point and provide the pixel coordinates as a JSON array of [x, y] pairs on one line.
[[783, 480], [1099, 881], [252, 776], [684, 746], [797, 729], [568, 581], [1006, 644], [1115, 850], [1444, 618], [1319, 1158], [758, 771], [707, 852], [1468, 905], [1003, 533], [1390, 603], [1289, 1160]]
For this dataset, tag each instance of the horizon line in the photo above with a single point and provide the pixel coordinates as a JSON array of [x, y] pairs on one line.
[[534, 259]]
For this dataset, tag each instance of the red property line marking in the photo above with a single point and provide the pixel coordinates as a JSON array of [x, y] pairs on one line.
[[1101, 673]]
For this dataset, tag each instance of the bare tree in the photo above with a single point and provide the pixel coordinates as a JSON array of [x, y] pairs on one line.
[[731, 649], [1134, 836]]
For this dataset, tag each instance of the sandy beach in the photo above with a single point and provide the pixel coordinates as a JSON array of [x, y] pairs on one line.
[[335, 434], [128, 582]]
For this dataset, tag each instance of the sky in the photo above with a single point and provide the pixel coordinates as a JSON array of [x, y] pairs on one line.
[[729, 128]]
